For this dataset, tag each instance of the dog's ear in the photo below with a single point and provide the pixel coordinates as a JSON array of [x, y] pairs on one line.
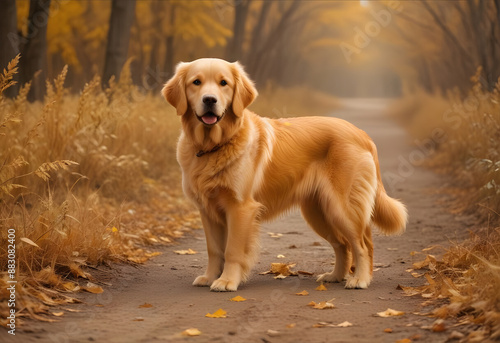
[[244, 90], [175, 89]]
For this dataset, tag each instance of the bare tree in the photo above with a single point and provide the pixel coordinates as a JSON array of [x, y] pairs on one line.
[[34, 49], [235, 45], [9, 44], [120, 23]]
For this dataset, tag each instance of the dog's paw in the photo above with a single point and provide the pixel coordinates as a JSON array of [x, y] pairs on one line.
[[355, 282], [202, 281], [330, 277], [222, 285]]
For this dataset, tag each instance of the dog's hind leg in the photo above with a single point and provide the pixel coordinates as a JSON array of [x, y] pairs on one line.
[[313, 214]]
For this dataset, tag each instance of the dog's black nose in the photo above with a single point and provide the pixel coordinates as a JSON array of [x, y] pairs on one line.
[[209, 99]]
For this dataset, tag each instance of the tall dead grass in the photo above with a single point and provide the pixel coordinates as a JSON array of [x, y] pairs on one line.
[[74, 170], [462, 138]]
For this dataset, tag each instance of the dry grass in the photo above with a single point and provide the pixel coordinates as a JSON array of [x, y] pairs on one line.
[[84, 180], [91, 178], [465, 135]]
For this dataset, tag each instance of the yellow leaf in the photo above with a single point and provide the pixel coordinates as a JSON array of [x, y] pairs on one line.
[[191, 332], [153, 254], [220, 313], [29, 241], [274, 235], [291, 325], [322, 305], [57, 314], [185, 252], [344, 324], [280, 256], [145, 305], [304, 292], [238, 298], [388, 330], [165, 239], [390, 313], [70, 286], [404, 340], [321, 288], [92, 288]]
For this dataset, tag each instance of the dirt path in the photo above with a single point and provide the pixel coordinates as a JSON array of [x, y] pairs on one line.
[[271, 304]]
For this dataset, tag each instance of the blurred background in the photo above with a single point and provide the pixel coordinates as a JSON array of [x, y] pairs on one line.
[[346, 48]]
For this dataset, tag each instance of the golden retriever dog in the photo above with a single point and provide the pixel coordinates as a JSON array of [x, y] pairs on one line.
[[241, 169]]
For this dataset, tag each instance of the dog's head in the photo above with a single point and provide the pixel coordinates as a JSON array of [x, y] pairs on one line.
[[209, 88]]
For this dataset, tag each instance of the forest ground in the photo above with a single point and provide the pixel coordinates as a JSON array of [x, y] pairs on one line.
[[272, 304]]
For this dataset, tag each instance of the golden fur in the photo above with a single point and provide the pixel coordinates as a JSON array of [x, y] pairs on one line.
[[245, 169]]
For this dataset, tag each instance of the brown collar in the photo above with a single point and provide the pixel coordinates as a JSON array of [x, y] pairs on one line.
[[204, 152]]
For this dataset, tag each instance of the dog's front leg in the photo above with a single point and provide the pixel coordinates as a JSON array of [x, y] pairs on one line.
[[215, 234], [241, 246]]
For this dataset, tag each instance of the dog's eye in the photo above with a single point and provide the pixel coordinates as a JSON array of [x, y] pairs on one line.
[[197, 82], [223, 83]]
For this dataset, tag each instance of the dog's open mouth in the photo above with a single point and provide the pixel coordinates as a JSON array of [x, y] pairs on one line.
[[209, 118]]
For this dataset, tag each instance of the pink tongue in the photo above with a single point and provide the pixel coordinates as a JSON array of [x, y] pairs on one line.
[[209, 119]]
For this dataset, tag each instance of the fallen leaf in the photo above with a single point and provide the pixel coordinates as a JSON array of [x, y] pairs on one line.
[[274, 235], [304, 292], [321, 288], [388, 330], [238, 298], [165, 239], [138, 259], [344, 324], [404, 340], [304, 272], [185, 252], [191, 332], [92, 288], [438, 326], [273, 333], [70, 286], [291, 325], [280, 256], [322, 305], [138, 319], [153, 254], [29, 241], [390, 313], [220, 313], [293, 246], [57, 314], [282, 270], [145, 305]]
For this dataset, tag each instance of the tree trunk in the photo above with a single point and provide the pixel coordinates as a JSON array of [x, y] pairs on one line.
[[120, 22], [9, 44], [235, 46], [169, 45], [34, 50], [257, 33]]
